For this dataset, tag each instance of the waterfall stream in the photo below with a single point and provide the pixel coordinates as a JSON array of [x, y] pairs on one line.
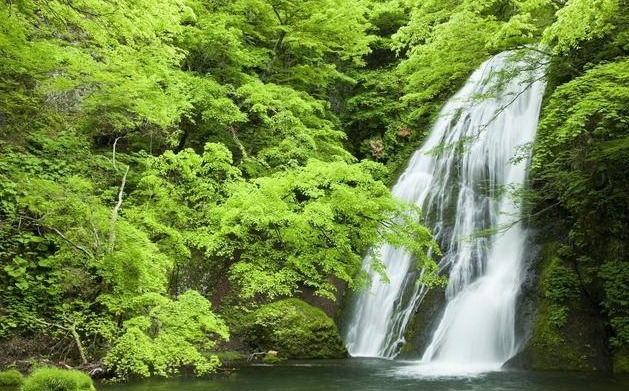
[[465, 178]]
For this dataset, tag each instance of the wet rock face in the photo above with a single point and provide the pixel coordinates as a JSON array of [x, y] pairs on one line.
[[423, 324], [581, 345], [560, 333]]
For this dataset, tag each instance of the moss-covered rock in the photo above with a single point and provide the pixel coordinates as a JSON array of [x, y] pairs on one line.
[[11, 379], [227, 356], [294, 329], [56, 379], [271, 357]]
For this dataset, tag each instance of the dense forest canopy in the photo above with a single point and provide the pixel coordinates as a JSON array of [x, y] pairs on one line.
[[159, 155]]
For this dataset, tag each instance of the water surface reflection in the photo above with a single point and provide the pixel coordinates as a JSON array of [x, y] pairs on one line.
[[376, 375]]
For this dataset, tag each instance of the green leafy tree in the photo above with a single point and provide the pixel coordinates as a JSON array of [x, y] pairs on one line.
[[582, 20], [447, 39], [303, 226], [287, 127], [174, 334], [174, 203], [305, 40]]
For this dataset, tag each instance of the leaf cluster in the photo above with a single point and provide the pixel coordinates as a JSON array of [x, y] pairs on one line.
[[171, 336]]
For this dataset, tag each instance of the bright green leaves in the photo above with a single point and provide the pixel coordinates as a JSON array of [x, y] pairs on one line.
[[188, 179], [582, 20], [22, 62], [584, 132], [217, 45], [113, 63], [428, 82], [305, 39], [446, 40], [301, 227], [172, 335], [82, 228], [287, 127], [176, 194]]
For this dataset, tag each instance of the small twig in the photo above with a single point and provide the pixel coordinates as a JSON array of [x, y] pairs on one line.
[[113, 153], [254, 355], [78, 247], [72, 330], [238, 143]]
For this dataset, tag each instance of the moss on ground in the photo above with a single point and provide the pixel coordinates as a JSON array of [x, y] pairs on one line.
[[56, 379]]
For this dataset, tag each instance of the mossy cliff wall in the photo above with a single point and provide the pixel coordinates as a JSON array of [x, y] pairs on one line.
[[568, 330]]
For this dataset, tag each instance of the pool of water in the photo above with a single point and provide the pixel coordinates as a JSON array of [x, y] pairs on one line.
[[376, 375]]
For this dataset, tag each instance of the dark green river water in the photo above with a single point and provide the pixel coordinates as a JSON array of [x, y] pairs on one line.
[[375, 375]]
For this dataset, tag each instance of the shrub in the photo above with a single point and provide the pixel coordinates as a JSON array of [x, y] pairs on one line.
[[11, 377], [172, 337], [55, 379]]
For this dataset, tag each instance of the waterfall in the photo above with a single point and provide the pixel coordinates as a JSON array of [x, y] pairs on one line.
[[465, 178]]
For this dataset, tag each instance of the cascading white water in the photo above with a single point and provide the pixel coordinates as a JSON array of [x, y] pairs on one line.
[[462, 177]]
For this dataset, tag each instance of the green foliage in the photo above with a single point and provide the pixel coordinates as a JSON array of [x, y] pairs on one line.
[[174, 202], [55, 379], [581, 154], [171, 336], [582, 20], [305, 225], [294, 329], [287, 127], [175, 193], [89, 240], [11, 377], [115, 63], [447, 40], [581, 158], [303, 41], [559, 285], [373, 111], [615, 276]]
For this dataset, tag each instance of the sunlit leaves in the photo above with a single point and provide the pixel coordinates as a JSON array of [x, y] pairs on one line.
[[289, 126], [302, 226], [175, 196], [447, 40], [171, 335], [582, 20], [305, 39]]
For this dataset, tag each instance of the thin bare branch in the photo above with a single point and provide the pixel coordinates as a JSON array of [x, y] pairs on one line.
[[114, 212], [113, 154]]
